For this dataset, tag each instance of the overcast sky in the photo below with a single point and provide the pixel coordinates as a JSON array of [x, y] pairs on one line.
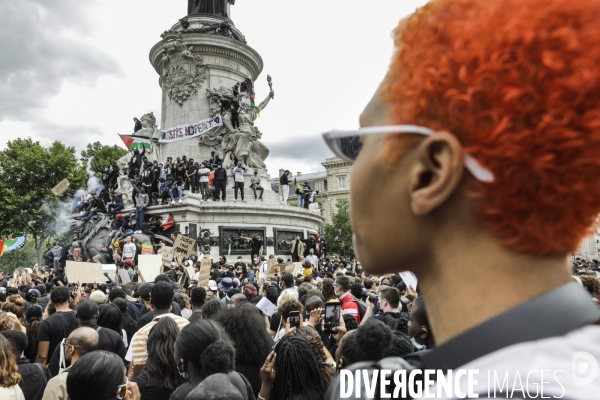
[[78, 71]]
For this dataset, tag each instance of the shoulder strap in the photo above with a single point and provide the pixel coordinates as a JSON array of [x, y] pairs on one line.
[[98, 329]]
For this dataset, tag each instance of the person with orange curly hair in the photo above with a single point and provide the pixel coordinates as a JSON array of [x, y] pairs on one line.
[[481, 149]]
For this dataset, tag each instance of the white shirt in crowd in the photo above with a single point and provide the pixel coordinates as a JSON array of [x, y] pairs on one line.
[[129, 250], [313, 259], [239, 174], [204, 171], [262, 273]]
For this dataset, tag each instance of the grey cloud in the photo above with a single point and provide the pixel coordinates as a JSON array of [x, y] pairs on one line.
[[43, 43], [310, 149], [77, 136]]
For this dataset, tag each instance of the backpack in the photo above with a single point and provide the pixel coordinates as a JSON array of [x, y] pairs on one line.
[[362, 308]]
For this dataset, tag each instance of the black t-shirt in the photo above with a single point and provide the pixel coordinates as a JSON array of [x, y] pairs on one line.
[[256, 245], [146, 318], [57, 327], [34, 378], [275, 321], [215, 274], [151, 388]]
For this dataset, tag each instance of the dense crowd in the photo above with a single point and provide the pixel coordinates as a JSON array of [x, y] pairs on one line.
[[62, 340]]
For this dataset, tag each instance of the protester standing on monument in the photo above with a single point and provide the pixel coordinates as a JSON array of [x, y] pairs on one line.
[[203, 174], [297, 248], [284, 183], [140, 209], [238, 173], [220, 182]]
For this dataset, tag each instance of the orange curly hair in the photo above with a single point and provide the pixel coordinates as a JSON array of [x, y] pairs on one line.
[[518, 83]]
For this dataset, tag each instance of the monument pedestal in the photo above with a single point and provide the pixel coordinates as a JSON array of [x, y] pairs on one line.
[[199, 60]]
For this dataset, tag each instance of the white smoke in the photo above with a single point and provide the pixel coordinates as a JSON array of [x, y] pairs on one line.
[[94, 184]]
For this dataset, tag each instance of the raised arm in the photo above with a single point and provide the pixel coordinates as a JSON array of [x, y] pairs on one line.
[[265, 102]]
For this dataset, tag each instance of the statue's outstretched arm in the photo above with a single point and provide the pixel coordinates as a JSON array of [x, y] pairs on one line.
[[264, 104]]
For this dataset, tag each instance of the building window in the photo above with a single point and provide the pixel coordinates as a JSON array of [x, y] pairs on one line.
[[341, 182], [319, 187]]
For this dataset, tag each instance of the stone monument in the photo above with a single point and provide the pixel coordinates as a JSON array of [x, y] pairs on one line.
[[199, 61]]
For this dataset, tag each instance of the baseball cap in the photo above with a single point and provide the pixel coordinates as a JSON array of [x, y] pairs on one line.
[[60, 295], [226, 284], [144, 291], [212, 285], [127, 261], [98, 296], [162, 293]]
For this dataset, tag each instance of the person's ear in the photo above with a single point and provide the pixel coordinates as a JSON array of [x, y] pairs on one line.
[[437, 172], [424, 332]]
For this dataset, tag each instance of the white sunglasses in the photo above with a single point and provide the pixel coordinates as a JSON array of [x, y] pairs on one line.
[[347, 145]]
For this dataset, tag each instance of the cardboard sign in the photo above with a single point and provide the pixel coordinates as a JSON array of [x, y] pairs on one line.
[[124, 276], [147, 249], [266, 306], [297, 267], [167, 255], [204, 276], [271, 265], [61, 188], [183, 245], [84, 272], [149, 265], [409, 278]]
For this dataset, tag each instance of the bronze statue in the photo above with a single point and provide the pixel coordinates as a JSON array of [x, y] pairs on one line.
[[216, 7]]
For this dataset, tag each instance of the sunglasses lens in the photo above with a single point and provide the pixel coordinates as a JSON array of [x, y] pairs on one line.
[[349, 147]]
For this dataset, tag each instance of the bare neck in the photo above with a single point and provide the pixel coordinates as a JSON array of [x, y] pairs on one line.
[[472, 279]]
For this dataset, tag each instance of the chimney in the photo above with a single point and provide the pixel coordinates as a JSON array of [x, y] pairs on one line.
[[299, 173]]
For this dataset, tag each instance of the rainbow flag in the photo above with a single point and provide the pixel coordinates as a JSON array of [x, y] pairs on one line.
[[8, 245], [136, 142]]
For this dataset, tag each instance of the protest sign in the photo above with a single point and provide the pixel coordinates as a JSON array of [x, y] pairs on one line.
[[149, 265], [124, 276], [271, 265], [62, 187], [266, 306], [409, 278], [147, 249], [183, 245], [204, 276], [167, 255], [188, 131], [84, 272]]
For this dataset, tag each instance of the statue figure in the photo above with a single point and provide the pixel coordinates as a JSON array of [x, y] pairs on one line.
[[217, 7], [149, 130], [244, 141]]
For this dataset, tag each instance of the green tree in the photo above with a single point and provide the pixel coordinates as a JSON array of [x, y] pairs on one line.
[[338, 234], [28, 172], [104, 156]]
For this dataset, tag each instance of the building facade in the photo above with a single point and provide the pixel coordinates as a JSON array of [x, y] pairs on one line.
[[338, 174]]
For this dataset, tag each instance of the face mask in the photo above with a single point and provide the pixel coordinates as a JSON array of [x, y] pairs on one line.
[[417, 345], [218, 166]]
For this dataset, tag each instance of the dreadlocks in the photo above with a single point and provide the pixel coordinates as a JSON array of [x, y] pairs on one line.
[[297, 369]]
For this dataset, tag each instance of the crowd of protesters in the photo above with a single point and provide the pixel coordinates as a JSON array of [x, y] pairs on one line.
[[172, 339]]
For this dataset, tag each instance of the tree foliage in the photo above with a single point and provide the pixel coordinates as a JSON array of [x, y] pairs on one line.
[[104, 156], [338, 234], [28, 172]]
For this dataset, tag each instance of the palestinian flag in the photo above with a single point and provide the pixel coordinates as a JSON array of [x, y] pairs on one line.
[[136, 142], [8, 245]]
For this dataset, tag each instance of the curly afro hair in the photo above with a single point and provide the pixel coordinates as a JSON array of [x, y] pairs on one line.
[[517, 82]]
